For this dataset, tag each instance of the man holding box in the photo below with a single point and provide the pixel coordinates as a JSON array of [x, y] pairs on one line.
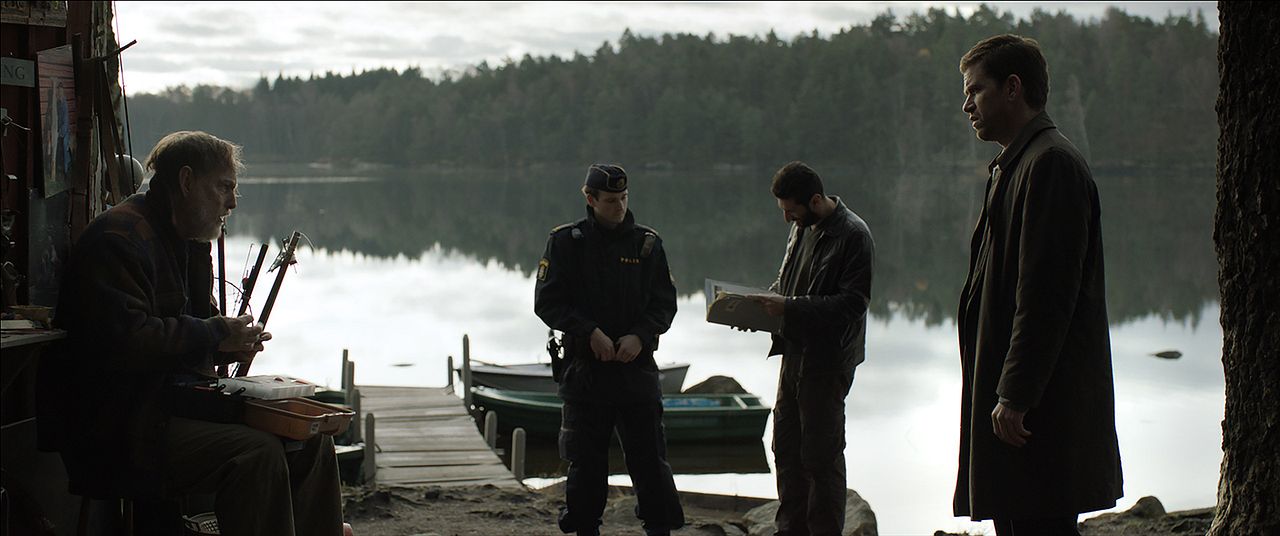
[[825, 286], [137, 304]]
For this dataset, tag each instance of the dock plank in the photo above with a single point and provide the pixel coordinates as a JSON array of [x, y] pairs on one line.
[[426, 438]]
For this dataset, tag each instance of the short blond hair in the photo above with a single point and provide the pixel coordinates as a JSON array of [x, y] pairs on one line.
[[204, 153]]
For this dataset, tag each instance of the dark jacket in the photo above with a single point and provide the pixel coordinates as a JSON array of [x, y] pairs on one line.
[[1033, 332], [592, 277], [826, 325], [136, 302]]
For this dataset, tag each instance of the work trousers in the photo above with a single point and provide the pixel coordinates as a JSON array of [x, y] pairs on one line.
[[586, 430], [260, 489], [808, 448], [1050, 526]]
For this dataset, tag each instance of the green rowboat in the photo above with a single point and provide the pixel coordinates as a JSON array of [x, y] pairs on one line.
[[686, 417]]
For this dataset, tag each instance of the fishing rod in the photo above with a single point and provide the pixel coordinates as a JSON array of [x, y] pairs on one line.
[[222, 272], [222, 283], [283, 260], [251, 280], [248, 283]]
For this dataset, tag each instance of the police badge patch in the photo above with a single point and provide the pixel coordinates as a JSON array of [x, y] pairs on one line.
[[542, 269]]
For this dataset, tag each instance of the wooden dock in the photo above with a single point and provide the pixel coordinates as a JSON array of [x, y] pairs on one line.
[[425, 437]]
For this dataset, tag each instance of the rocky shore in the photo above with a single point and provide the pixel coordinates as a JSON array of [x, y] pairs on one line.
[[492, 511], [1147, 517]]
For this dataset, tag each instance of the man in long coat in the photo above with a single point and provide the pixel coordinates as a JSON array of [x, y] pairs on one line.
[[1037, 439], [136, 301]]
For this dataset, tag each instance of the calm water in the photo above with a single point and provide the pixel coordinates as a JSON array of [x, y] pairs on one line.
[[403, 266]]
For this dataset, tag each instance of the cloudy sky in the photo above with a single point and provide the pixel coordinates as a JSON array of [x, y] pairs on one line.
[[234, 43]]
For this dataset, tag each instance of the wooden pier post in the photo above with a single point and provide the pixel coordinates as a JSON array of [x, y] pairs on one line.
[[355, 425], [517, 453], [449, 378], [348, 379], [369, 469], [343, 372], [466, 372], [491, 428]]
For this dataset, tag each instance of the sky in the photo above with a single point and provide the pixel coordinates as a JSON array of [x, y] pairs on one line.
[[235, 43]]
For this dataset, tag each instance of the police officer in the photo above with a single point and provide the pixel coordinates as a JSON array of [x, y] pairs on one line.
[[604, 283]]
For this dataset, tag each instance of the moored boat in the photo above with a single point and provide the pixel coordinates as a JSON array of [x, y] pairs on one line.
[[536, 377], [686, 418]]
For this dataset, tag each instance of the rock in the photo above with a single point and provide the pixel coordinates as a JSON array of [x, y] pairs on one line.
[[1148, 517], [716, 385], [714, 529], [859, 519], [620, 511], [620, 517], [1147, 508]]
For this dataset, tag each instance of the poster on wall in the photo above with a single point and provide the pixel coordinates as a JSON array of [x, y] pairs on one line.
[[34, 13], [57, 86]]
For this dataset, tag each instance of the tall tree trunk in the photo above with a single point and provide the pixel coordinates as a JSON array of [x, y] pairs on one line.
[[1247, 235]]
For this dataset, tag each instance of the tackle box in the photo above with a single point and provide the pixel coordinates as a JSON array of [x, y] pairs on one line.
[[267, 387], [296, 418]]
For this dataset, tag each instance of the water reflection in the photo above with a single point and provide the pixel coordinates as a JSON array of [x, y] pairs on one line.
[[902, 411], [407, 265], [1157, 227]]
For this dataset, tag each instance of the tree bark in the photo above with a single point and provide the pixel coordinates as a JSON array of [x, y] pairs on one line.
[[1247, 238]]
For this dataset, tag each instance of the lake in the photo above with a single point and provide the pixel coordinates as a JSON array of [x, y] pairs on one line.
[[404, 264]]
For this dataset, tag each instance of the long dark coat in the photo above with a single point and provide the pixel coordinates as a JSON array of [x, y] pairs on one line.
[[136, 302], [1033, 333]]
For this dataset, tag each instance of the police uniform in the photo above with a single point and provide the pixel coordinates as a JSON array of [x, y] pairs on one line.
[[616, 280]]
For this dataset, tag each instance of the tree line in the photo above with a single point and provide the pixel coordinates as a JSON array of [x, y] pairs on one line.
[[1130, 91]]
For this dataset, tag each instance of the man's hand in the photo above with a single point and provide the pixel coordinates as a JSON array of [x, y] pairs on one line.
[[1008, 425], [774, 305], [629, 347], [243, 336], [601, 345]]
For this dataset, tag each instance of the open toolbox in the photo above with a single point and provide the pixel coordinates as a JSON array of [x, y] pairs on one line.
[[296, 418]]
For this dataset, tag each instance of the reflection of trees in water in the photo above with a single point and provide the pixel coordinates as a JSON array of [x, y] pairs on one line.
[[1157, 228]]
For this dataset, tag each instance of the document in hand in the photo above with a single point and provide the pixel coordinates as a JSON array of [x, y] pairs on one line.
[[730, 304]]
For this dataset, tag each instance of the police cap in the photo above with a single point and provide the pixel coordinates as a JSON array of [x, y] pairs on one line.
[[606, 178]]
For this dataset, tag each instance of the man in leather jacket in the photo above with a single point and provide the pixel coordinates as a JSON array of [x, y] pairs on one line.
[[605, 283], [825, 283]]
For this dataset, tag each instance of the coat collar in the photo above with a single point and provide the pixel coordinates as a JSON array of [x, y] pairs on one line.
[[159, 214], [1040, 123], [840, 222]]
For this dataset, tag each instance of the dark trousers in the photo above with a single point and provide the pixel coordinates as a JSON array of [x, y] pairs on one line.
[[586, 430], [808, 448], [1050, 526], [260, 489]]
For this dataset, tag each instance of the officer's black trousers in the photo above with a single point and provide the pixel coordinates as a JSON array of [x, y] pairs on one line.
[[586, 430], [808, 447]]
